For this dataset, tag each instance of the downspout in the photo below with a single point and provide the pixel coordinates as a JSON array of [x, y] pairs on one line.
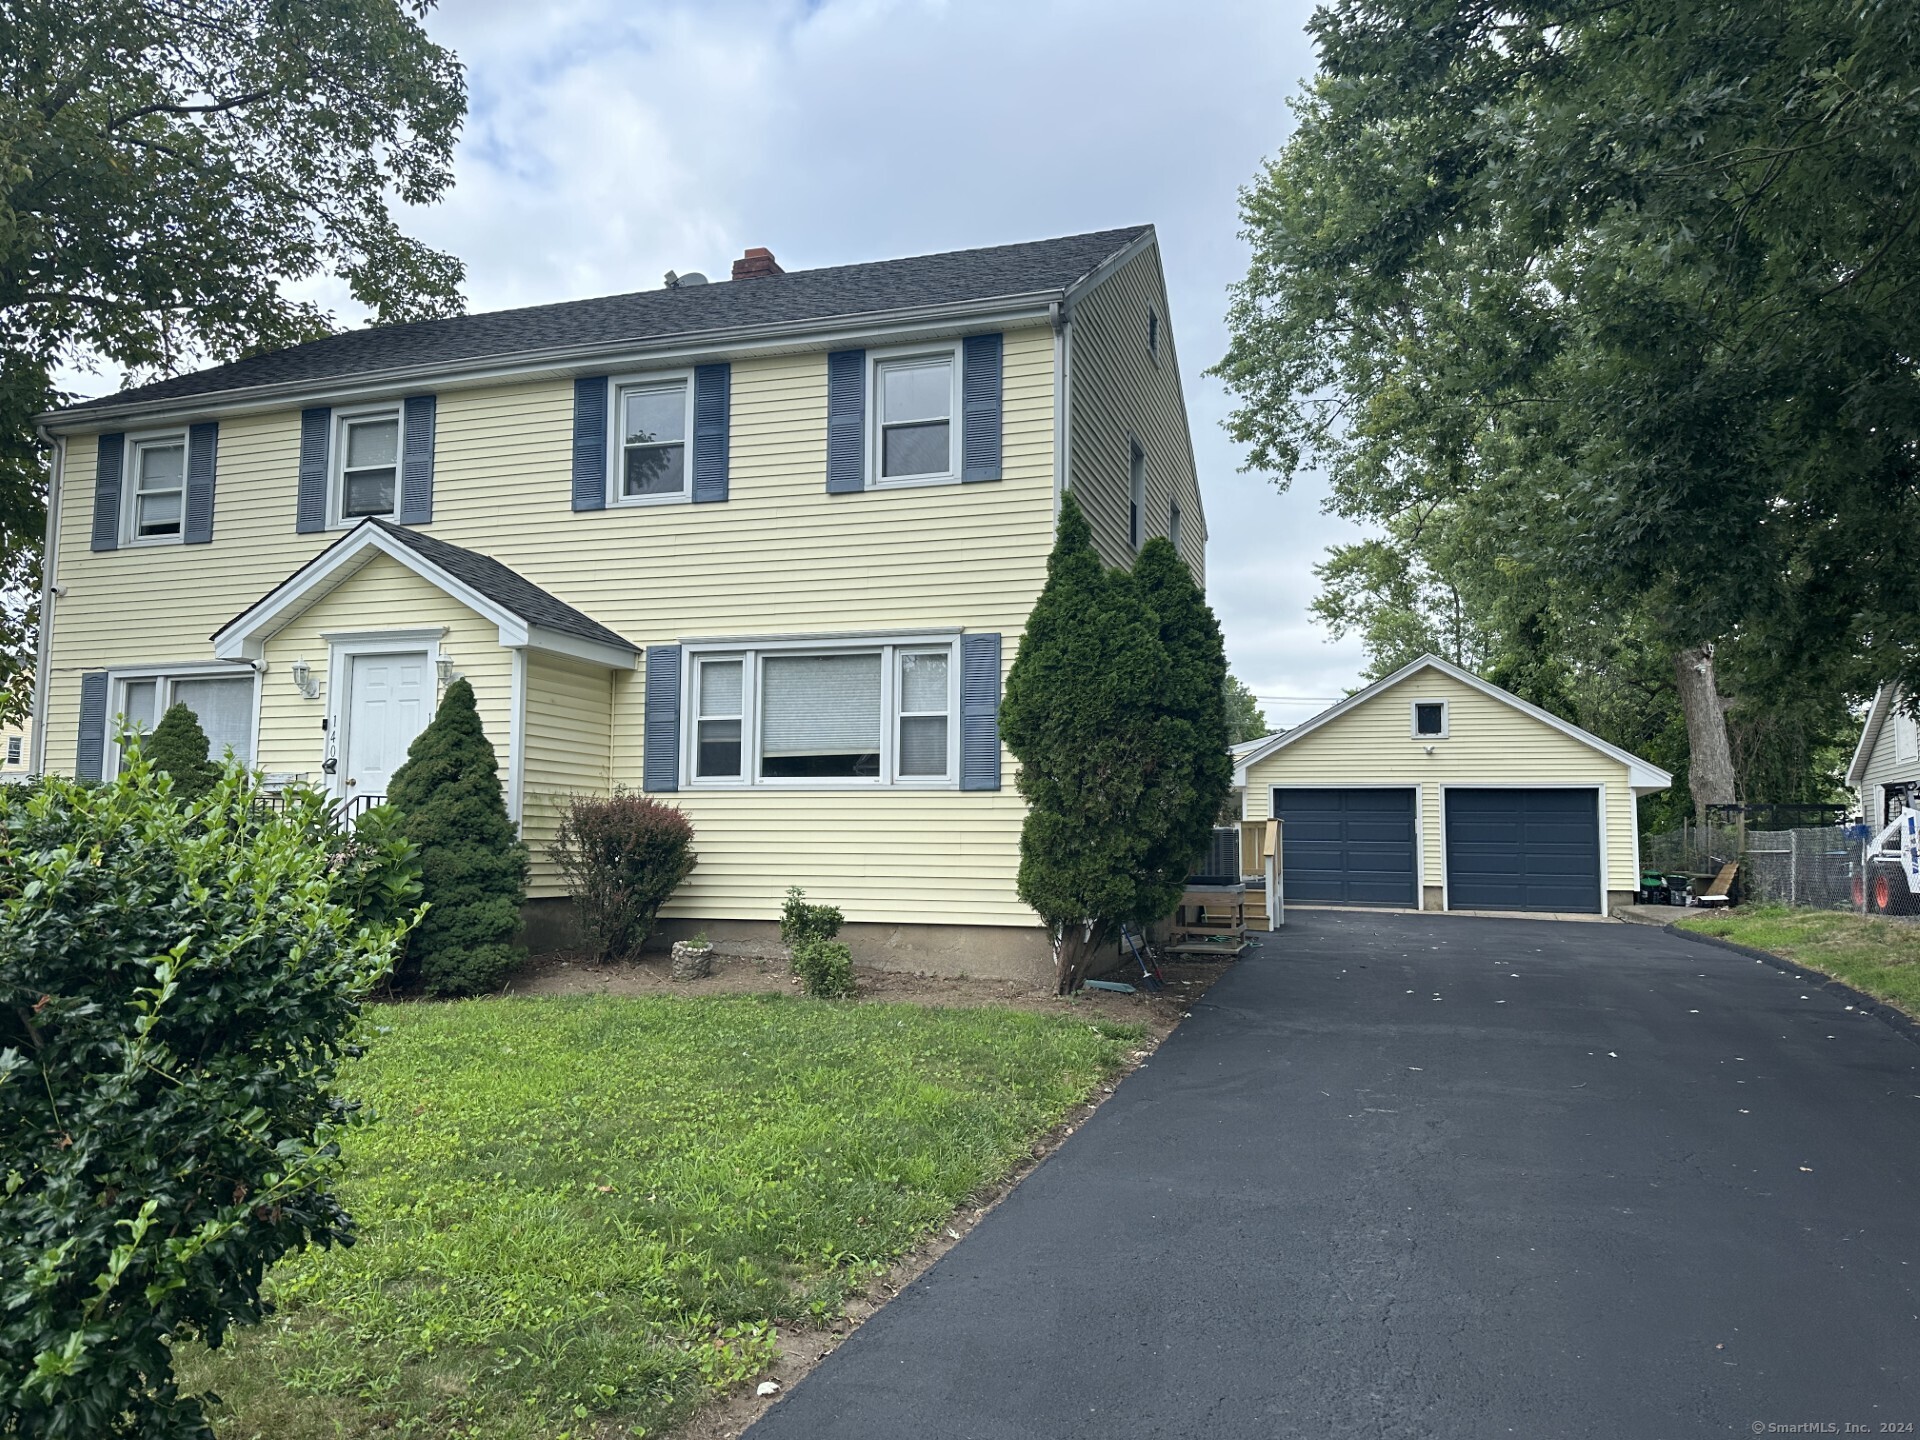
[[49, 592], [1063, 402]]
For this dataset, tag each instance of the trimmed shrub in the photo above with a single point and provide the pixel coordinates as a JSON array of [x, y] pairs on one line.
[[801, 922], [178, 747], [177, 989], [825, 968], [473, 869], [622, 857]]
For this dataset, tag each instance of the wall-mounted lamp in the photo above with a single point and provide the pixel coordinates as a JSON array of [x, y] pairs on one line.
[[303, 680], [444, 665]]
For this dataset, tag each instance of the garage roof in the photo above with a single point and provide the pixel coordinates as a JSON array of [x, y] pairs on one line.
[[1642, 775]]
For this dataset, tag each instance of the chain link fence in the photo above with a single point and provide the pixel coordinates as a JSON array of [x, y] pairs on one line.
[[1824, 867]]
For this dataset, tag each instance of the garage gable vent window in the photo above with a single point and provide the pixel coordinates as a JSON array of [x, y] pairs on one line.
[[1430, 719]]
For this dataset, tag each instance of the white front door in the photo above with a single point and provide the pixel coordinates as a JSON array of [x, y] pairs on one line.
[[389, 701]]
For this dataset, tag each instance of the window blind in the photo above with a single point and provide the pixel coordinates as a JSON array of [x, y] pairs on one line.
[[820, 705]]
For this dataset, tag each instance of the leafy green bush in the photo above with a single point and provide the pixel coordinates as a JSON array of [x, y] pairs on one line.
[[622, 856], [177, 989], [825, 968], [801, 922], [179, 746], [473, 869], [377, 869]]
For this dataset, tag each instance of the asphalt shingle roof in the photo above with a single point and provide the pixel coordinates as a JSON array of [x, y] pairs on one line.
[[508, 589], [836, 292]]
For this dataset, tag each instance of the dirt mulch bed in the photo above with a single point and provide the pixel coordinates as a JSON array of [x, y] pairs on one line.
[[804, 1346]]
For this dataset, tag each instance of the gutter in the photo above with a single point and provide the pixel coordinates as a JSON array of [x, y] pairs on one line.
[[49, 592], [737, 341]]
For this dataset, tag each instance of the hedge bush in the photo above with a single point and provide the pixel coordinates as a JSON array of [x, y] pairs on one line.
[[473, 868], [623, 856], [825, 968], [179, 747], [801, 922], [177, 988]]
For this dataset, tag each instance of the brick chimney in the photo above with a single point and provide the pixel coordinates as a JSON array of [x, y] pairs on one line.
[[756, 262]]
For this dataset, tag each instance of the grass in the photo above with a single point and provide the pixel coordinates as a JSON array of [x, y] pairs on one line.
[[1878, 956], [582, 1216]]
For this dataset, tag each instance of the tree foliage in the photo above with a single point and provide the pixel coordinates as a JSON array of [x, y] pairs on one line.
[[1105, 712], [177, 988], [1604, 313], [1245, 719], [178, 747], [166, 170], [473, 868]]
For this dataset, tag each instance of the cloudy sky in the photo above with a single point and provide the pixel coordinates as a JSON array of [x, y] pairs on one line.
[[608, 142]]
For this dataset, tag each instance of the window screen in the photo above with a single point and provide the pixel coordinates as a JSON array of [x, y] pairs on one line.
[[916, 411], [717, 745], [924, 684], [820, 716], [368, 468]]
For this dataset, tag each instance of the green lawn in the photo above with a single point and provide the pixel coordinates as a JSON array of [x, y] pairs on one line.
[[1878, 956], [581, 1216]]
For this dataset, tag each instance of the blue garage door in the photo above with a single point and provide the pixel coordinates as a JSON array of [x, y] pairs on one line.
[[1523, 850], [1347, 847]]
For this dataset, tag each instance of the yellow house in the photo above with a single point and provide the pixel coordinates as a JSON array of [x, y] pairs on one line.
[[763, 547], [1435, 789], [16, 749]]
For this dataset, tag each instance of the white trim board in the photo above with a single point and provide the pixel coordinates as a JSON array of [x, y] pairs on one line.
[[1643, 775], [245, 636]]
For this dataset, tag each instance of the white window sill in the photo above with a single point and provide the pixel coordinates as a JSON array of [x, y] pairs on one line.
[[150, 542], [645, 502], [791, 787], [916, 482]]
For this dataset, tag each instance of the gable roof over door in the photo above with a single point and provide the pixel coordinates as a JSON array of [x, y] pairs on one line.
[[528, 617], [575, 333], [1643, 775]]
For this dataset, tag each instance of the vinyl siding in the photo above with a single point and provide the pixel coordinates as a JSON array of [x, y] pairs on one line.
[[1121, 393], [383, 594], [1884, 768], [569, 739], [1488, 743], [780, 556]]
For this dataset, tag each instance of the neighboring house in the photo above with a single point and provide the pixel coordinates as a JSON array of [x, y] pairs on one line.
[[764, 548], [1885, 770], [1435, 789], [16, 751]]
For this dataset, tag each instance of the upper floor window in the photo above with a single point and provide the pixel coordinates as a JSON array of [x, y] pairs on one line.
[[915, 397], [1153, 333], [1906, 737], [1173, 524], [1430, 719], [368, 468], [652, 419], [1137, 491], [881, 713], [156, 500]]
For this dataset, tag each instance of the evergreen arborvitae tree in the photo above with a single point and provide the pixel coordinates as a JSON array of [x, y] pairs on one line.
[[179, 747], [1084, 717], [1196, 704], [473, 870]]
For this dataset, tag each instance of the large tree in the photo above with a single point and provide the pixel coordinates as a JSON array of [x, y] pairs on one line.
[[169, 170], [1618, 295]]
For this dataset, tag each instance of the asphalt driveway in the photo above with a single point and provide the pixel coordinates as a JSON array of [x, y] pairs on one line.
[[1437, 1176]]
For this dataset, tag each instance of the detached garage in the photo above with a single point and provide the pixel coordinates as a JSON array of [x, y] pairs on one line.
[[1436, 789]]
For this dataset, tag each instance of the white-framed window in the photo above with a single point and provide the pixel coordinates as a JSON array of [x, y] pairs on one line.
[[366, 467], [1153, 333], [224, 701], [1173, 524], [652, 426], [1429, 719], [823, 714], [1137, 493], [13, 749], [914, 400], [154, 490], [1906, 737]]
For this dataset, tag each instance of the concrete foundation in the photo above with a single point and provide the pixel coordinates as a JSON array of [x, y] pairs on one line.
[[997, 952]]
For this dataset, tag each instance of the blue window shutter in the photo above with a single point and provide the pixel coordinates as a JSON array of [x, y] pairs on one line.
[[660, 747], [316, 431], [590, 442], [203, 450], [980, 408], [89, 756], [416, 461], [979, 712], [846, 421], [107, 465], [712, 392]]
